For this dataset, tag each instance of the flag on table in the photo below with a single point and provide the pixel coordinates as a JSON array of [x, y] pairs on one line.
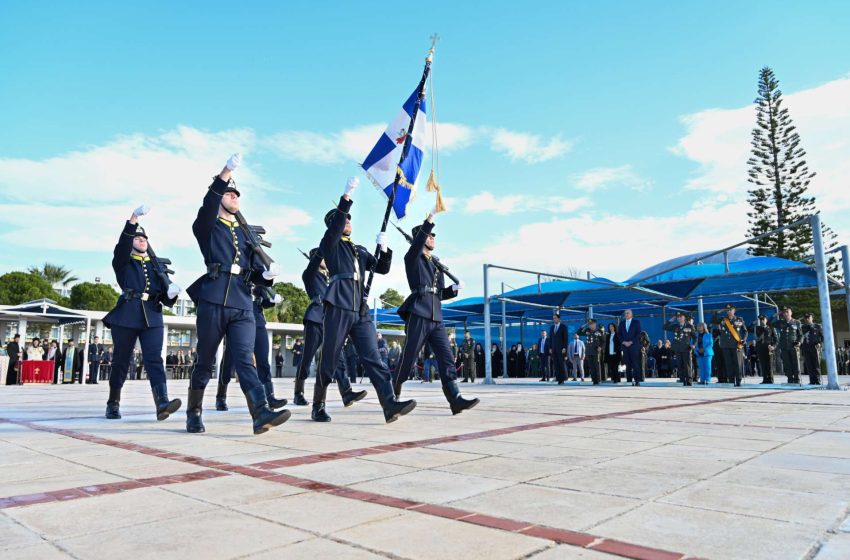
[[382, 163]]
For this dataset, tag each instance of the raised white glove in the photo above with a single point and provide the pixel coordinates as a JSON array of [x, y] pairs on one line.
[[458, 287], [381, 241], [434, 211], [277, 298], [141, 210], [351, 185], [272, 272], [234, 161], [173, 290]]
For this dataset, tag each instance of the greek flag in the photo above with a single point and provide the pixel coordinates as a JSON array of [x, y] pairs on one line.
[[383, 161]]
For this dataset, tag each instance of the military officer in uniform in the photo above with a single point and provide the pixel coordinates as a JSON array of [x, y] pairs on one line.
[[224, 303], [790, 338], [594, 341], [316, 280], [558, 336], [422, 312], [733, 334], [262, 300], [811, 347], [95, 356], [765, 346], [684, 340], [346, 312], [138, 316]]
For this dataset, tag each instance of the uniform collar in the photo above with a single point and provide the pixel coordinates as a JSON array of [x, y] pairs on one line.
[[347, 239], [227, 222], [140, 258]]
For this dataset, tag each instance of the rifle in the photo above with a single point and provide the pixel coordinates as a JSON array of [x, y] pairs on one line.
[[443, 268], [161, 266], [256, 243], [306, 256]]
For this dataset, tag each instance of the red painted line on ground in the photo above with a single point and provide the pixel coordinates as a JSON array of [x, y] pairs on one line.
[[741, 425], [103, 489]]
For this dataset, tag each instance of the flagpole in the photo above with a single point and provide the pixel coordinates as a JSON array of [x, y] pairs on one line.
[[408, 139]]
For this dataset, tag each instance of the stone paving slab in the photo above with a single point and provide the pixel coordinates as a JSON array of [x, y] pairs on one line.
[[535, 471]]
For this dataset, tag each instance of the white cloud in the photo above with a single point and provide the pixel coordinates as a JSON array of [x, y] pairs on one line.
[[485, 201], [603, 177], [530, 148], [719, 141]]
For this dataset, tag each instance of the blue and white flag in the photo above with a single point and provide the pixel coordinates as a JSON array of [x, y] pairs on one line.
[[383, 161]]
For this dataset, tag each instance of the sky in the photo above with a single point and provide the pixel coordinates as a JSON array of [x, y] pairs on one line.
[[574, 136]]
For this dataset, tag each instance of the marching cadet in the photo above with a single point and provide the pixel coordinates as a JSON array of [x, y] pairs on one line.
[[224, 303], [316, 281], [594, 342], [467, 356], [790, 337], [765, 345], [262, 300], [811, 346], [422, 312], [346, 312], [684, 340], [732, 332], [138, 316]]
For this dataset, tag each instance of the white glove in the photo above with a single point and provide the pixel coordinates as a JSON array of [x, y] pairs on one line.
[[381, 241], [272, 272], [173, 291], [234, 161], [434, 211], [277, 298], [141, 210], [458, 287], [351, 185]]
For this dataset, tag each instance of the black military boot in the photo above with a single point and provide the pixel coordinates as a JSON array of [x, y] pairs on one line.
[[194, 408], [349, 395], [264, 417], [397, 388], [221, 396], [393, 409], [299, 399], [320, 392], [112, 408], [273, 402], [456, 401], [164, 407]]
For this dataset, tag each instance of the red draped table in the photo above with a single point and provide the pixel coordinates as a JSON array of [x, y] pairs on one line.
[[36, 371]]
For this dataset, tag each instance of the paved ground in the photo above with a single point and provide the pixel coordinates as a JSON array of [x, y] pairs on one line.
[[536, 471]]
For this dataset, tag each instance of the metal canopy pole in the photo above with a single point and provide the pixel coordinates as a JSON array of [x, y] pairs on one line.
[[700, 310], [845, 264], [488, 339], [758, 309], [825, 308], [504, 332]]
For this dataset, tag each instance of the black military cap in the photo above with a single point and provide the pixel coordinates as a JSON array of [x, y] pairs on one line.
[[730, 306], [680, 314], [415, 231], [762, 316], [786, 308], [313, 252], [591, 321], [330, 216], [140, 232], [231, 187], [807, 315]]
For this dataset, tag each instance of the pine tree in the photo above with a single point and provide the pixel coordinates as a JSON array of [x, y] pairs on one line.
[[781, 177]]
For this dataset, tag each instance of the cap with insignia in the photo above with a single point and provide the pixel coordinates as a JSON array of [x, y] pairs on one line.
[[729, 306], [330, 216], [786, 308], [415, 231], [231, 187], [762, 316], [140, 232]]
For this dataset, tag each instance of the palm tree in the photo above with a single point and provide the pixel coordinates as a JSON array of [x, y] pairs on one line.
[[53, 273]]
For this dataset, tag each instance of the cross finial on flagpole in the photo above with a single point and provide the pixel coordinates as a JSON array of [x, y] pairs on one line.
[[434, 38]]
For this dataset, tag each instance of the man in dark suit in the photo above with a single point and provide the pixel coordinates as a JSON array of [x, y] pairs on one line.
[[629, 332], [543, 351], [558, 349], [13, 349], [95, 356]]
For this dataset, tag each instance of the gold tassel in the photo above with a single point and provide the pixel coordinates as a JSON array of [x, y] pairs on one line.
[[434, 187]]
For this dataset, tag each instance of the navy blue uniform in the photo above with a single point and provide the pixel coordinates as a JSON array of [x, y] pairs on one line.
[[138, 313], [558, 336], [261, 344], [346, 314], [422, 311], [223, 295], [316, 285]]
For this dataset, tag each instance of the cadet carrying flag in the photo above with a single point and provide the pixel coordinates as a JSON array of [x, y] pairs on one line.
[[382, 163]]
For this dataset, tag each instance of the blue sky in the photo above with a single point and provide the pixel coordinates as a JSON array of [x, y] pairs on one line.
[[598, 136]]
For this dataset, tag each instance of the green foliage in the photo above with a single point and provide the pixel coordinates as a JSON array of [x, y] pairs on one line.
[[54, 274], [293, 306], [392, 298], [93, 297], [21, 287]]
